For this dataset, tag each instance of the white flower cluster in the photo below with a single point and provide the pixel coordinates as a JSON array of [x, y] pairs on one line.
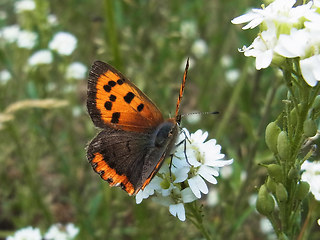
[[311, 175], [63, 43], [55, 232], [286, 32], [194, 161]]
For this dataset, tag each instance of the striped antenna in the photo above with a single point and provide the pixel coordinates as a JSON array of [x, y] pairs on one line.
[[181, 89]]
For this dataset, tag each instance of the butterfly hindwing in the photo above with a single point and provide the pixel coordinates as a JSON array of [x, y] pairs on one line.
[[127, 159], [115, 101]]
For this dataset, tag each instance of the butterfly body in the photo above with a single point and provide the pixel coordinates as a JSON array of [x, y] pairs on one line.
[[135, 139]]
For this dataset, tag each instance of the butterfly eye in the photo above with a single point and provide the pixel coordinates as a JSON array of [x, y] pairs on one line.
[[162, 133]]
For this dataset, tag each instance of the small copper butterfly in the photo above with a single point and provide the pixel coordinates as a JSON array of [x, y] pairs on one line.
[[135, 139]]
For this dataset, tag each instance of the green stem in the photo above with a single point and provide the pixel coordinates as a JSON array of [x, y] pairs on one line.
[[111, 32], [233, 101], [195, 216]]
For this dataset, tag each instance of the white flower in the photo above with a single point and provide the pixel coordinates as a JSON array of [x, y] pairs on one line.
[[262, 47], [316, 4], [24, 5], [41, 57], [52, 19], [226, 61], [188, 29], [226, 172], [10, 33], [60, 232], [213, 198], [193, 162], [310, 69], [5, 76], [203, 157], [76, 70], [318, 221], [199, 48], [178, 211], [26, 39], [63, 42], [149, 189], [266, 226], [76, 111], [28, 233], [72, 230], [252, 200], [232, 75], [311, 175], [293, 45], [280, 11]]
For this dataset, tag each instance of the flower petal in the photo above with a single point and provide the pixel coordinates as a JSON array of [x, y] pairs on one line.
[[187, 195], [206, 175], [177, 210]]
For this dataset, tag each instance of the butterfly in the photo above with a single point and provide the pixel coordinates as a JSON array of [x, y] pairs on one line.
[[134, 139]]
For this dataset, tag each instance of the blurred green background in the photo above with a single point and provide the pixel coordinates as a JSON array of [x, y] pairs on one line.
[[44, 175]]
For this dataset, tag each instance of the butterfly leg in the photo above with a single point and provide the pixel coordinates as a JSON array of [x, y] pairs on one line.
[[184, 142], [170, 165]]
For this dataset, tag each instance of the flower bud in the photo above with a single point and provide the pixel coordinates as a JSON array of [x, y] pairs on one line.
[[272, 132], [293, 117], [283, 145], [271, 185], [265, 203], [309, 128], [281, 193], [294, 174], [302, 190], [275, 172], [283, 236], [316, 103]]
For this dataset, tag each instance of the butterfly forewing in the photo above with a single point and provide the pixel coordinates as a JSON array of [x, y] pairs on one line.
[[114, 101]]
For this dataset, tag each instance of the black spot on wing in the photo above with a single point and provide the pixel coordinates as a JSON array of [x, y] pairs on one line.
[[108, 105], [128, 98], [140, 107], [115, 117]]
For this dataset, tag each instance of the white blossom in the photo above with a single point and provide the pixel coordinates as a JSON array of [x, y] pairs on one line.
[[28, 233], [262, 47], [24, 5], [311, 175], [199, 48], [40, 57], [63, 42], [281, 11], [10, 33], [194, 162], [188, 29], [178, 211], [61, 232], [5, 76], [232, 75], [26, 39], [76, 70], [310, 69]]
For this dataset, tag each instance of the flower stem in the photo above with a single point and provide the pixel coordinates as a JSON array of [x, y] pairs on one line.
[[194, 214]]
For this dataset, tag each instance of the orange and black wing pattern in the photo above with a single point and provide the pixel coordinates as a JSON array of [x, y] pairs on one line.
[[116, 102]]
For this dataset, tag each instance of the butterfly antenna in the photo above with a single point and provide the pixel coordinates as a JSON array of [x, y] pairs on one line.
[[182, 88], [201, 113]]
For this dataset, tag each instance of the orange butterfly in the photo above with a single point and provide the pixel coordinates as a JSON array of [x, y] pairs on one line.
[[135, 139]]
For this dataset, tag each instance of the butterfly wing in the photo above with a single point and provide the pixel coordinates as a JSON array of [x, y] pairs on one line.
[[127, 159], [116, 102]]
